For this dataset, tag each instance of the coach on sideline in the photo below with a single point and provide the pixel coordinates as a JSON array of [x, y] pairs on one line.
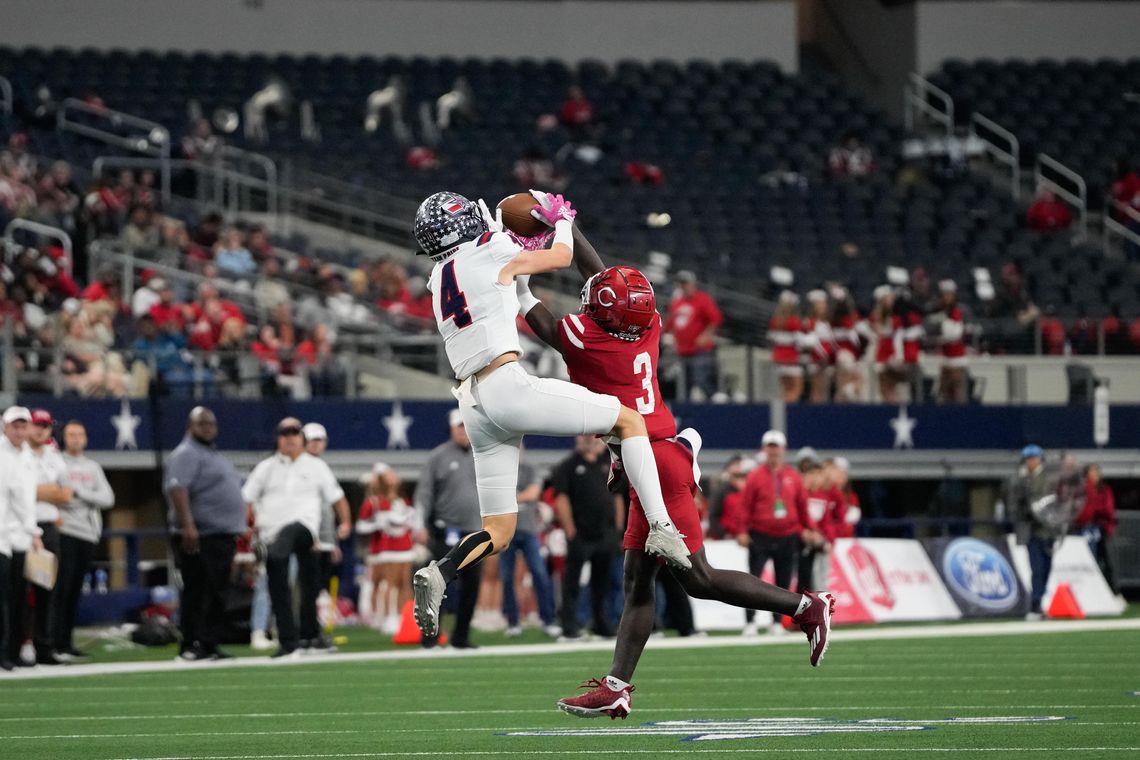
[[286, 494], [206, 515], [17, 498]]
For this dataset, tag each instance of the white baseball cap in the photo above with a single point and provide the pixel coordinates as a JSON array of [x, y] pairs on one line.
[[774, 438], [454, 418], [17, 414], [315, 431]]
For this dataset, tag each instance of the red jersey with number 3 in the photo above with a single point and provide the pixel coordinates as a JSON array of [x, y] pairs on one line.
[[623, 368]]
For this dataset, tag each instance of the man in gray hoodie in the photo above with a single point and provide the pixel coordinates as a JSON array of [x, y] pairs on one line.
[[80, 530]]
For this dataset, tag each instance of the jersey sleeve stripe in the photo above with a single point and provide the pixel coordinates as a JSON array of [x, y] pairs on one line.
[[570, 336], [577, 323]]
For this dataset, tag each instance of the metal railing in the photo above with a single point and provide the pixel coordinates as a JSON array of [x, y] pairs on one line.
[[1007, 153], [154, 141], [1076, 194], [922, 97], [243, 162], [6, 98], [43, 230], [1129, 230]]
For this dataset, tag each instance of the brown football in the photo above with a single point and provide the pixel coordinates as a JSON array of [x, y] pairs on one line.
[[516, 215]]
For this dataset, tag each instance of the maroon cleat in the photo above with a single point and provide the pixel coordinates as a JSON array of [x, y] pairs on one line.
[[599, 700], [815, 621]]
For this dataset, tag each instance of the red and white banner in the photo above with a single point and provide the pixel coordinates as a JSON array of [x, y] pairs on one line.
[[887, 579]]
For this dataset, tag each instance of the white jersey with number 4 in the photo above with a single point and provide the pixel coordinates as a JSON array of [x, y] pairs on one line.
[[474, 313]]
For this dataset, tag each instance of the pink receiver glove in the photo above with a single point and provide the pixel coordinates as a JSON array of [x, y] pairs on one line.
[[559, 210]]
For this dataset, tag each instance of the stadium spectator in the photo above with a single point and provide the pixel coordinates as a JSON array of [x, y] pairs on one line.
[[231, 255], [327, 376], [57, 197], [88, 367], [458, 101], [447, 507], [1054, 342], [1084, 334], [692, 321], [207, 232], [784, 331], [535, 169], [851, 158], [51, 494], [286, 493], [168, 309], [1097, 521], [336, 526], [953, 380], [206, 515], [163, 354], [388, 519], [818, 343], [80, 530], [141, 234], [1029, 487], [269, 291], [776, 520], [1048, 214], [819, 493], [201, 144], [147, 296], [843, 510], [590, 516], [526, 542], [18, 531], [576, 114], [726, 516]]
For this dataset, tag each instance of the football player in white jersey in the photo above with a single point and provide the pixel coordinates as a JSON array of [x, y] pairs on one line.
[[476, 300]]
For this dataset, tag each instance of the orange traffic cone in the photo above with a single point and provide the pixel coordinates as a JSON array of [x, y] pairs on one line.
[[1064, 604], [409, 632]]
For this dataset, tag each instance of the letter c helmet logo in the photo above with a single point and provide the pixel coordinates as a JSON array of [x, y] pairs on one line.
[[612, 296]]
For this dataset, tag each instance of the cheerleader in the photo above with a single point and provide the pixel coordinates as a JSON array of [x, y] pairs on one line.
[[387, 519]]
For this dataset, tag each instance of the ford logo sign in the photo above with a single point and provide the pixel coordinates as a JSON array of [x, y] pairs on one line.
[[979, 573]]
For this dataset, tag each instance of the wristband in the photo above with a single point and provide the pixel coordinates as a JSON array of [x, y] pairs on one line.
[[527, 301], [564, 233]]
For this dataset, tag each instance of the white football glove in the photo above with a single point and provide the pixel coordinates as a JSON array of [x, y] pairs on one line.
[[494, 221]]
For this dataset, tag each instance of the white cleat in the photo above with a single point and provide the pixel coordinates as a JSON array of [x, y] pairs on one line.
[[665, 541], [427, 590]]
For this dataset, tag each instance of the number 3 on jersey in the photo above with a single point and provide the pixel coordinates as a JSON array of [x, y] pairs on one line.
[[452, 302], [643, 365]]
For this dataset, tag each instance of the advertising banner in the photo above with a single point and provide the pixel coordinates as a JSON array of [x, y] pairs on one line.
[[710, 615], [891, 579], [1074, 564], [979, 574]]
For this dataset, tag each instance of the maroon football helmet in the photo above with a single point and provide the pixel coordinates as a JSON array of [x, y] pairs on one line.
[[620, 299]]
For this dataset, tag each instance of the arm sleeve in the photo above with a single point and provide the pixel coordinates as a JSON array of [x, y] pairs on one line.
[[180, 471], [255, 483], [101, 496], [331, 491]]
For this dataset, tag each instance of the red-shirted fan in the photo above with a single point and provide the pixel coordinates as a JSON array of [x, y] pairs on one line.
[[621, 300]]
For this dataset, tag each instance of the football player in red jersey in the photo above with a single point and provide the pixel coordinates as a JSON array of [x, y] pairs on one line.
[[613, 344]]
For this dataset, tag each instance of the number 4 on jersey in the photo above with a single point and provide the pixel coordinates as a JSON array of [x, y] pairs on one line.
[[452, 302]]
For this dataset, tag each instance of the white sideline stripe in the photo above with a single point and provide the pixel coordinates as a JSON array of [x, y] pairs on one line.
[[640, 711], [611, 751], [385, 730], [510, 650]]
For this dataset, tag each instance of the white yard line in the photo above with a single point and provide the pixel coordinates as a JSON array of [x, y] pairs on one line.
[[790, 709], [839, 637], [612, 751]]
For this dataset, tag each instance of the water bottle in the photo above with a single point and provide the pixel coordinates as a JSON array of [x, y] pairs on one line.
[[86, 583], [100, 581]]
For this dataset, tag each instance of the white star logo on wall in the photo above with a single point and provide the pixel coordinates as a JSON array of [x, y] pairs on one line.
[[397, 424], [125, 424], [904, 429]]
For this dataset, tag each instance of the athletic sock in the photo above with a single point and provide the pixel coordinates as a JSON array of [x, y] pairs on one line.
[[641, 468], [478, 544], [805, 602], [616, 684]]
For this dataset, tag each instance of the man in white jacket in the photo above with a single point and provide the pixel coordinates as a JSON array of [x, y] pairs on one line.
[[80, 530], [51, 494], [18, 531]]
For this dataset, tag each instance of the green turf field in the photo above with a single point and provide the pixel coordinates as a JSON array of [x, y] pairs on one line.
[[765, 696]]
